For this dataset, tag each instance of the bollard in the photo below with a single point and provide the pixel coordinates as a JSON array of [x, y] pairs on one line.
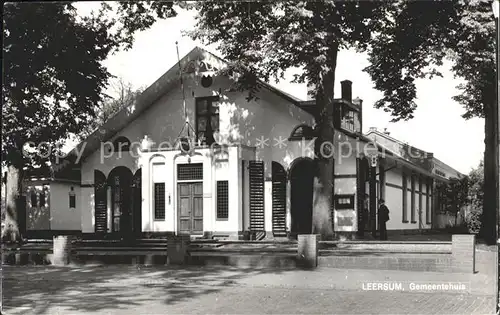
[[177, 249], [308, 250], [463, 253], [18, 257], [61, 254]]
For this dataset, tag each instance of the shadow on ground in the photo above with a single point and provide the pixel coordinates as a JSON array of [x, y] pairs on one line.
[[101, 288]]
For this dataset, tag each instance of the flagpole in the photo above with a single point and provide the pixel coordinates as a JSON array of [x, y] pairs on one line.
[[186, 119]]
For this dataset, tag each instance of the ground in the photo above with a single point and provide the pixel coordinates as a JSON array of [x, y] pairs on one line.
[[120, 289]]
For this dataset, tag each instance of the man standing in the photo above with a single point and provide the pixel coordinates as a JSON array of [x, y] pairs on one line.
[[383, 217], [366, 213]]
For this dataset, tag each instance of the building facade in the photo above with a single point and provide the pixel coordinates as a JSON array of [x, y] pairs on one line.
[[194, 156]]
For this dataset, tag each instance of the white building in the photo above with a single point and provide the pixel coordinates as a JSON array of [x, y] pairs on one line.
[[252, 168]]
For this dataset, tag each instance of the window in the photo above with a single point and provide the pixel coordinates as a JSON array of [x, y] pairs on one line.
[[438, 172], [350, 119], [159, 198], [207, 119], [302, 132], [347, 122], [121, 144], [405, 199], [116, 193], [412, 199], [428, 188], [420, 196], [192, 171], [222, 199], [42, 199], [34, 198], [72, 198]]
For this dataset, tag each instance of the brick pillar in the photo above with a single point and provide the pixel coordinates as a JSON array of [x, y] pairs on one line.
[[463, 253], [177, 249], [308, 250], [61, 254]]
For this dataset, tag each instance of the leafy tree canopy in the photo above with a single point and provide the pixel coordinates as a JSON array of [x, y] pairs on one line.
[[54, 78], [405, 41]]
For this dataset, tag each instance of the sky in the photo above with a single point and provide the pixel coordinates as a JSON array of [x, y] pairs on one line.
[[437, 125]]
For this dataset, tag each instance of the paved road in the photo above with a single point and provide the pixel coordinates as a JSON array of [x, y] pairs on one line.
[[225, 290]]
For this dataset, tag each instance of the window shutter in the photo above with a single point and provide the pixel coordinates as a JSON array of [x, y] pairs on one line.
[[101, 200], [256, 170], [360, 192], [279, 199]]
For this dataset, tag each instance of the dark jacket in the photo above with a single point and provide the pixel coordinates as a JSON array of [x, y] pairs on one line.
[[383, 213]]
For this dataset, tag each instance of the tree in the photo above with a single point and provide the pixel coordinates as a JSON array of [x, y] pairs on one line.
[[111, 105], [54, 78], [463, 33], [476, 196], [263, 40]]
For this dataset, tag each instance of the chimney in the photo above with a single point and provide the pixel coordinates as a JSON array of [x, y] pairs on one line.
[[373, 129], [310, 89], [346, 89], [386, 132]]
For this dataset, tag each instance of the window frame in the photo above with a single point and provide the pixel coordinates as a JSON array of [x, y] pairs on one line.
[[158, 202], [412, 199], [405, 199], [348, 119], [208, 116], [428, 202], [307, 133], [121, 144], [219, 203]]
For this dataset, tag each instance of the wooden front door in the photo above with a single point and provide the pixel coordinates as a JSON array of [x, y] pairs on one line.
[[190, 208]]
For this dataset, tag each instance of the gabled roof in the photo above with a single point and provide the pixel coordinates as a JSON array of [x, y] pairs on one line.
[[410, 147], [147, 98], [388, 153]]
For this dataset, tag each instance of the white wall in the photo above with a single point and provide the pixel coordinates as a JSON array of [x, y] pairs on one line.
[[394, 201], [269, 117], [62, 217]]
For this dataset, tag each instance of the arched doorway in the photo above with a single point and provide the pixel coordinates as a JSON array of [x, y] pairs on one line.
[[120, 184], [137, 203], [302, 181], [279, 199]]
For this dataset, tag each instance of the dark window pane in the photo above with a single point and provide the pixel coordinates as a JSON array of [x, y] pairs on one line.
[[72, 201], [201, 107], [42, 199], [121, 144], [405, 197], [159, 198], [222, 199], [202, 123], [34, 201], [215, 123]]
